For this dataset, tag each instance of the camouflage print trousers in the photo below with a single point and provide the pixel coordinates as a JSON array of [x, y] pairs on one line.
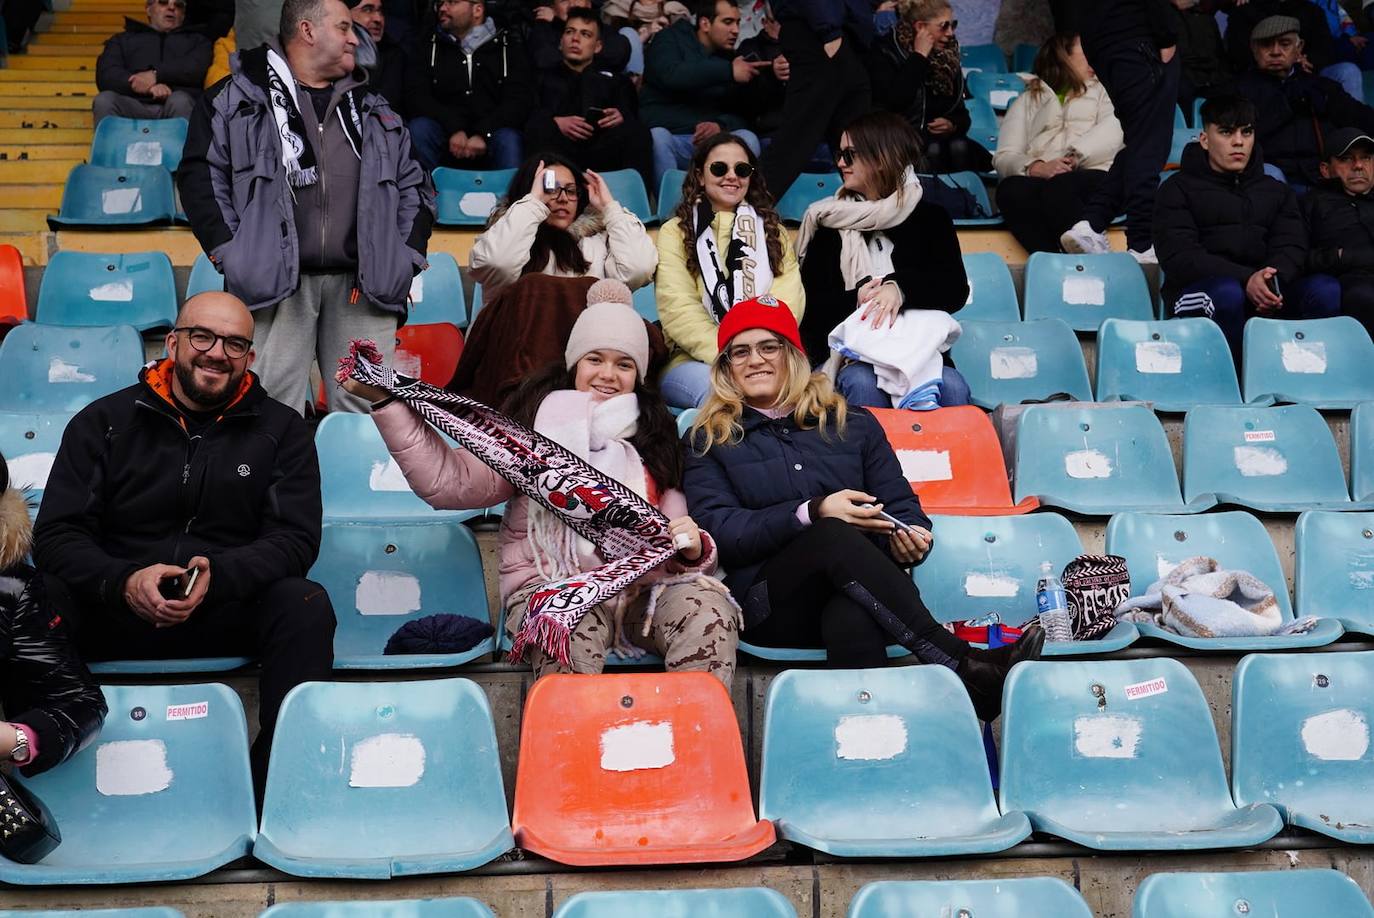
[[695, 628]]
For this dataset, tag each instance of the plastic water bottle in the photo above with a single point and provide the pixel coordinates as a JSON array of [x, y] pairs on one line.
[[1053, 605]]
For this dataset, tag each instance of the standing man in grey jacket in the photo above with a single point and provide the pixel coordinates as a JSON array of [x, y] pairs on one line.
[[301, 188]]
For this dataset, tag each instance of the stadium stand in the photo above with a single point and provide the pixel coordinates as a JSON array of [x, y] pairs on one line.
[[986, 58], [1174, 365], [999, 89], [682, 903], [115, 196], [1362, 452], [14, 305], [1276, 893], [1027, 896], [429, 352], [121, 142], [415, 908], [56, 368], [1084, 290], [29, 444], [670, 194], [808, 188], [436, 293], [991, 290], [1334, 568], [1010, 362], [1319, 362], [203, 277], [628, 188], [83, 289], [467, 198]]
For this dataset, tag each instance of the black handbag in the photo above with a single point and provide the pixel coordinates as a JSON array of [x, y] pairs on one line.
[[27, 831]]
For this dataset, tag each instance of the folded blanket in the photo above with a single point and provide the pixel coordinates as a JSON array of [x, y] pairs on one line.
[[905, 357], [1200, 599]]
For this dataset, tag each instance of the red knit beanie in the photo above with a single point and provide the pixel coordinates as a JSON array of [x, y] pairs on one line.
[[761, 312]]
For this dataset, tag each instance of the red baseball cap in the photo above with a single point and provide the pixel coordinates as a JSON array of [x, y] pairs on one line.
[[761, 312]]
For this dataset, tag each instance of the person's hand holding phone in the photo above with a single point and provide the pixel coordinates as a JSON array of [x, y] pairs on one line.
[[192, 586], [574, 127], [1260, 290], [911, 544], [856, 508], [610, 117], [143, 590]]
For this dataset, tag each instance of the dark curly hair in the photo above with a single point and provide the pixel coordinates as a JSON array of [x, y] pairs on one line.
[[757, 196]]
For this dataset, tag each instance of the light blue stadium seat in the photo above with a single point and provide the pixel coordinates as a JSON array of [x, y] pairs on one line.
[[63, 369], [169, 667], [1154, 544], [983, 125], [381, 575], [1267, 893], [1300, 740], [83, 289], [1015, 361], [670, 194], [1023, 58], [360, 481], [1181, 138], [755, 902], [1274, 459], [809, 188], [1175, 365], [204, 277], [29, 444], [1180, 120], [126, 196], [684, 420], [1362, 452], [1084, 290], [1088, 764], [436, 293], [371, 780], [462, 907], [1324, 363], [973, 184], [1334, 569], [120, 142], [627, 187], [467, 197], [998, 88], [1097, 461], [646, 302], [991, 294], [150, 911], [163, 793], [476, 303], [1024, 897], [983, 565], [987, 58], [846, 770]]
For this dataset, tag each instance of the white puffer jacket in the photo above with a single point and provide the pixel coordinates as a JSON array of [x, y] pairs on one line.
[[1038, 126]]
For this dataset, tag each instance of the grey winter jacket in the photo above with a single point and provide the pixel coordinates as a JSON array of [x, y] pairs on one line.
[[234, 191]]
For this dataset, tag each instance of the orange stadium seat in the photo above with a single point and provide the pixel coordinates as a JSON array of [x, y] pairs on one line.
[[953, 460], [14, 306], [430, 352], [634, 768]]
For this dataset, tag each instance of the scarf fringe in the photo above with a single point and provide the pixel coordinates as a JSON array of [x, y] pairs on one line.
[[548, 634]]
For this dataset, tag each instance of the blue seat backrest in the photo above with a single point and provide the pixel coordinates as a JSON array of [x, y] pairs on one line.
[[139, 142], [679, 903], [1002, 898], [29, 444], [203, 277], [1334, 569], [61, 368], [670, 193], [627, 187], [127, 195], [1320, 362], [360, 480], [808, 188], [1083, 290], [1015, 361], [1271, 893], [1175, 365], [992, 294], [137, 288], [467, 197], [436, 294]]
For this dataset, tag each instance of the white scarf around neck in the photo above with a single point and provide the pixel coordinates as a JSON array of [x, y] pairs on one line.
[[749, 272], [853, 218]]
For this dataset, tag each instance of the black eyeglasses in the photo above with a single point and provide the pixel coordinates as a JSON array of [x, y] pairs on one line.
[[720, 169], [203, 340], [847, 155]]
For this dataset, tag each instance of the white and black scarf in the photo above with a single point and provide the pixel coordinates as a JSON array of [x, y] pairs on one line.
[[746, 271], [297, 155]]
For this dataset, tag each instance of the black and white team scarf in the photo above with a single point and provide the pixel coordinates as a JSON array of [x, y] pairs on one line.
[[623, 526], [745, 272], [296, 154]]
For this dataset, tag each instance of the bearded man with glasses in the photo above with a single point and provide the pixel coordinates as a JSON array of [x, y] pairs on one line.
[[182, 515], [152, 69]]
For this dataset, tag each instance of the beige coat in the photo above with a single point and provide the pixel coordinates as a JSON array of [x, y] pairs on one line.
[[614, 243], [1038, 126]]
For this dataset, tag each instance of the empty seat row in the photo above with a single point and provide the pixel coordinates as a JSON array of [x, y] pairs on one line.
[[377, 780]]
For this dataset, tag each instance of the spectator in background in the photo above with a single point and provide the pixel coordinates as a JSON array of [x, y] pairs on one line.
[[335, 160], [824, 42], [1131, 46], [545, 38], [182, 514], [587, 114], [215, 18], [877, 252], [695, 85], [1231, 239], [1350, 45], [1319, 50], [1296, 108], [378, 53], [1057, 142], [152, 69], [469, 91], [1205, 71], [1340, 223], [917, 73], [770, 86], [724, 245], [53, 706]]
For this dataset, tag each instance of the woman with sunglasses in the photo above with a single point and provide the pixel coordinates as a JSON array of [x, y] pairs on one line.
[[575, 230], [916, 72], [725, 244], [812, 516], [876, 254]]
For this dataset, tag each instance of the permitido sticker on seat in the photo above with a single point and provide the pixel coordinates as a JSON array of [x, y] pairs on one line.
[[387, 760], [870, 737], [637, 746], [1106, 736], [1336, 736], [130, 768], [387, 593]]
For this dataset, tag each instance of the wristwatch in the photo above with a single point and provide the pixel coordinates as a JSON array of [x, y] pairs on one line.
[[20, 752]]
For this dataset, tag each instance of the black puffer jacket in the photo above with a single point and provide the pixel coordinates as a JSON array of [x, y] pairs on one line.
[[899, 78], [129, 488], [1340, 230], [1292, 111], [180, 57], [494, 89], [43, 684], [1213, 224]]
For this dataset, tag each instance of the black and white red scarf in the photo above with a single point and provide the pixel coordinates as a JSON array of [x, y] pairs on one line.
[[623, 526], [744, 272], [297, 156]]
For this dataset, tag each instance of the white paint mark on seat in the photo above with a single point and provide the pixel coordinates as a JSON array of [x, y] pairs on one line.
[[1084, 291], [1336, 736], [1259, 461], [1106, 737], [1158, 357], [988, 585], [1087, 463], [1001, 98], [143, 153], [969, 301], [387, 760], [407, 363], [637, 746], [120, 291], [59, 371], [1304, 356], [1013, 363], [387, 593], [121, 201], [31, 470], [870, 737], [925, 464], [387, 476], [477, 204], [131, 768], [417, 289]]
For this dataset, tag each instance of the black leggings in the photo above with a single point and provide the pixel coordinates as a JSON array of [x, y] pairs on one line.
[[832, 587]]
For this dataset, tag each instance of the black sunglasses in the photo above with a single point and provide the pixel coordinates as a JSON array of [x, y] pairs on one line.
[[847, 155], [720, 169]]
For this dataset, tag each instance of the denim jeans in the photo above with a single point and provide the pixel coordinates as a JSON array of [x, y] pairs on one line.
[[674, 151], [859, 385], [430, 143], [686, 385], [1223, 300]]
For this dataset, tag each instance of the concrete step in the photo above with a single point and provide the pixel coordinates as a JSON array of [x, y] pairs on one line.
[[45, 196], [28, 173], [56, 89], [49, 61], [18, 220], [41, 47], [89, 44], [22, 138], [89, 30], [46, 119], [10, 98], [14, 149], [84, 76]]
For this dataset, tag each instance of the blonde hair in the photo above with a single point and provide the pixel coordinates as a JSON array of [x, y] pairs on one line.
[[813, 398], [922, 10]]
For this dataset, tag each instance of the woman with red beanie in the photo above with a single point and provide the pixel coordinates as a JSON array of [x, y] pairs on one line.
[[812, 516]]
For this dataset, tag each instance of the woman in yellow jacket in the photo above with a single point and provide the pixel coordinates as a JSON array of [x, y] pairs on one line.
[[725, 245]]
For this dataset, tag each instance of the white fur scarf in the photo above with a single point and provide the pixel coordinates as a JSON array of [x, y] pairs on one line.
[[853, 217]]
